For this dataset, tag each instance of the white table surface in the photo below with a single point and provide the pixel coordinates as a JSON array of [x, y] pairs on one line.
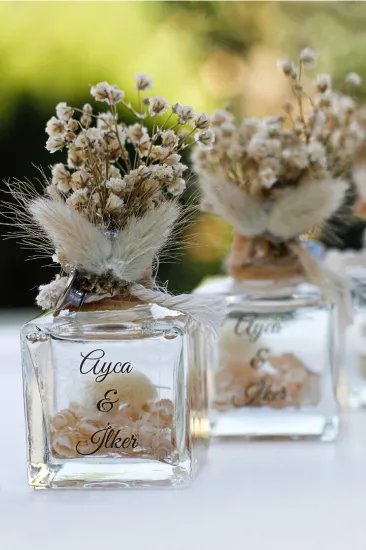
[[257, 496]]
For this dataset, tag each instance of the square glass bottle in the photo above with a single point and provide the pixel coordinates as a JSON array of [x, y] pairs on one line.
[[352, 379], [114, 398], [273, 372]]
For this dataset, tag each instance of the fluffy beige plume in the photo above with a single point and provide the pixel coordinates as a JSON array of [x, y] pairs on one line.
[[233, 205], [304, 207], [298, 210], [127, 254]]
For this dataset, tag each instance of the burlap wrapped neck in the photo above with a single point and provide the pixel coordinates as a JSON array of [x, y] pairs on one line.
[[258, 258]]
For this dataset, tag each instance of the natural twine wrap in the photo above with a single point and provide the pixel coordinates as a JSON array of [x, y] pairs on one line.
[[264, 258]]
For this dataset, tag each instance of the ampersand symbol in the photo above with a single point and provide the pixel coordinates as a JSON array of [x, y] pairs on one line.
[[106, 404]]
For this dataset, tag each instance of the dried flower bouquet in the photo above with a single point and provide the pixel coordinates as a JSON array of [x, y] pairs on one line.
[[109, 210], [274, 179]]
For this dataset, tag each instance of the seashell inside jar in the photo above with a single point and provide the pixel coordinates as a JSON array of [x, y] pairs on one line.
[[142, 430]]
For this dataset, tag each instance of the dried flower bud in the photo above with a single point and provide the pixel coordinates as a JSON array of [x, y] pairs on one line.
[[287, 67], [55, 127], [323, 82], [72, 125], [205, 138], [53, 144], [158, 106], [63, 111], [109, 93], [185, 113], [114, 203], [169, 139], [308, 57], [143, 82], [325, 99], [202, 121], [353, 79]]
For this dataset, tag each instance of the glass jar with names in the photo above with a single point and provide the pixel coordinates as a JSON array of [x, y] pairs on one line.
[[115, 398], [272, 373]]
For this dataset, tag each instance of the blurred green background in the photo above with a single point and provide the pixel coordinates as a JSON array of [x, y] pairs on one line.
[[204, 54]]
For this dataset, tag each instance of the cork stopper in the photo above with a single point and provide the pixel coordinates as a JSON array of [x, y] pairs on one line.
[[258, 258]]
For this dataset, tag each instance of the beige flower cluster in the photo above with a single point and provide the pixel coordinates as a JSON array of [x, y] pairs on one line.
[[148, 425], [115, 170], [314, 138]]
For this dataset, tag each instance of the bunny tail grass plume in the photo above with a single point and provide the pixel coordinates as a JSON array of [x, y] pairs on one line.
[[233, 205], [306, 206], [127, 253]]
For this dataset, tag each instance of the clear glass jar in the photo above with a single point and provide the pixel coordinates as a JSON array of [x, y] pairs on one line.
[[115, 398], [352, 380], [273, 373]]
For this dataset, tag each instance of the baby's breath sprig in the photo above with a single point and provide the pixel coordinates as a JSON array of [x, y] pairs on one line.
[[116, 170], [315, 138]]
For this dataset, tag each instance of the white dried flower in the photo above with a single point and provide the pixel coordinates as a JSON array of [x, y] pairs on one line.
[[169, 139], [79, 198], [88, 137], [143, 82], [287, 67], [324, 99], [158, 106], [323, 82], [177, 187], [61, 177], [172, 159], [86, 120], [106, 121], [347, 105], [109, 93], [72, 125], [353, 79], [262, 146], [63, 111], [308, 57], [205, 139], [96, 199], [185, 112], [114, 203], [202, 121], [113, 171], [179, 169], [49, 295], [116, 185], [163, 173], [267, 177], [227, 129], [87, 109], [143, 146], [79, 179], [135, 132], [296, 156], [317, 153], [75, 159], [55, 127], [53, 144], [249, 127]]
